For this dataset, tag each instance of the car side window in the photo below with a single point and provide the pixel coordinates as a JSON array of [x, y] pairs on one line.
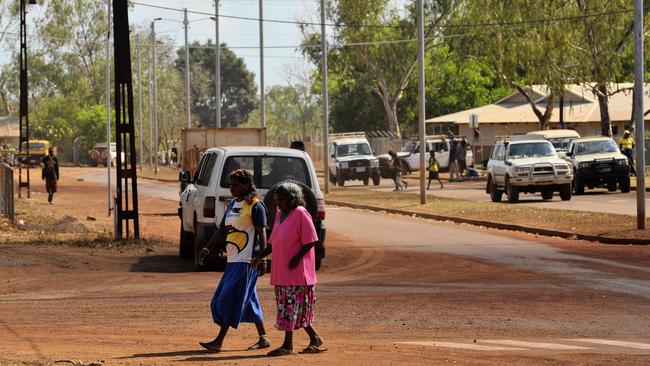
[[206, 173], [233, 163], [500, 153], [495, 152], [201, 168]]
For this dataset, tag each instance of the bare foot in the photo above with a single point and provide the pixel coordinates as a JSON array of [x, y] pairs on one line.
[[211, 346]]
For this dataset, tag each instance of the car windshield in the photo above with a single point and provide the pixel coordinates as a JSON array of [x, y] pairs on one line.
[[36, 146], [409, 147], [561, 143], [353, 149], [530, 150], [267, 170], [595, 147]]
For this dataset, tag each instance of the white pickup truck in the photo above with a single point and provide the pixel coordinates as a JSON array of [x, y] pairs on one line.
[[527, 165], [204, 199]]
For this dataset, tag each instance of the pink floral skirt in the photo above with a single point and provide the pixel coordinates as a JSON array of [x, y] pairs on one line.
[[295, 306]]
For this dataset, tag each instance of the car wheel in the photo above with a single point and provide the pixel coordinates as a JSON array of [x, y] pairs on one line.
[[332, 178], [495, 193], [547, 194], [186, 244], [339, 180], [565, 192], [611, 184], [512, 192], [624, 184], [578, 185], [198, 246], [376, 179], [366, 180]]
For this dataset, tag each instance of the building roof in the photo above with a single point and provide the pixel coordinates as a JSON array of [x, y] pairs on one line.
[[580, 106]]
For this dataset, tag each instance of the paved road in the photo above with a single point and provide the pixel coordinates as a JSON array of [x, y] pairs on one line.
[[368, 229], [595, 200]]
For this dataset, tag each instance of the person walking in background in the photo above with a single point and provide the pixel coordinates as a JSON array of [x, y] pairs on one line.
[[396, 167], [433, 169], [50, 173], [462, 157], [243, 226], [454, 172], [626, 143], [293, 269]]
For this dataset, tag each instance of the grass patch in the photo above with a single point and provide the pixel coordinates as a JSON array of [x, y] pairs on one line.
[[578, 222], [166, 173]]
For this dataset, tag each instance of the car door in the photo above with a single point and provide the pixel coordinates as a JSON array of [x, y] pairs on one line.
[[331, 159], [202, 185], [413, 159], [188, 197], [500, 165], [442, 153]]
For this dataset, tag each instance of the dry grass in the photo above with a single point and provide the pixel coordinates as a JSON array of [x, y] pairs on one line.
[[165, 173], [579, 222]]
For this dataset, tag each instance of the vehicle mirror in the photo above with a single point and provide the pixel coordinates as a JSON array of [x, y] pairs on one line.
[[185, 177]]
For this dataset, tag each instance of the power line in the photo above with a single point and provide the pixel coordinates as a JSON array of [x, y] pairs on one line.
[[469, 25]]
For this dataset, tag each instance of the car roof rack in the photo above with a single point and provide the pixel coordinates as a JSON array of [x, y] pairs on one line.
[[347, 135]]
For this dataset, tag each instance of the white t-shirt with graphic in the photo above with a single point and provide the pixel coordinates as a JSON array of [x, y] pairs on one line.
[[241, 240]]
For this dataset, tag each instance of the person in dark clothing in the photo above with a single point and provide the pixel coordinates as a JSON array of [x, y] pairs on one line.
[[50, 173], [396, 166]]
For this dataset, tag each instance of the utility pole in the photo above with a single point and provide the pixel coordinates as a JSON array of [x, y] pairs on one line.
[[323, 45], [639, 124], [421, 99], [187, 72], [262, 92], [108, 108], [217, 65], [23, 140], [149, 84], [137, 40], [155, 98]]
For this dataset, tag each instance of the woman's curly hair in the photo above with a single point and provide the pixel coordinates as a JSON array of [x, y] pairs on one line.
[[292, 192], [243, 177]]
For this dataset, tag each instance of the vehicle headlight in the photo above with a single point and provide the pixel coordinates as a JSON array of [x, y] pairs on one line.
[[522, 169], [584, 165], [345, 165], [622, 162], [374, 163]]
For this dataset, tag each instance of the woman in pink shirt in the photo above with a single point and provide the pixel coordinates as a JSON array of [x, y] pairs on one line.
[[293, 269]]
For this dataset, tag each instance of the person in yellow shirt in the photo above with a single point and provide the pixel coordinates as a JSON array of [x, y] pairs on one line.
[[626, 143]]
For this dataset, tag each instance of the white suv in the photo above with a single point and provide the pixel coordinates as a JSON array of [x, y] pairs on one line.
[[598, 161], [528, 165], [350, 158], [203, 201]]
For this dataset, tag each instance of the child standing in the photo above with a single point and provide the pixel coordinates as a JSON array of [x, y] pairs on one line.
[[433, 169]]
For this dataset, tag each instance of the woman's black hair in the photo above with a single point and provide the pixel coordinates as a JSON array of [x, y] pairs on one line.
[[243, 177], [292, 192]]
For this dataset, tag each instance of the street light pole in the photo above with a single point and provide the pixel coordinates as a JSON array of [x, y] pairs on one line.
[[137, 40], [150, 108], [217, 65], [108, 105], [262, 92], [323, 44], [421, 99], [639, 126], [155, 97], [187, 73]]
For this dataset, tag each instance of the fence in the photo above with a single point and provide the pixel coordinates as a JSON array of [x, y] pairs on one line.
[[7, 191]]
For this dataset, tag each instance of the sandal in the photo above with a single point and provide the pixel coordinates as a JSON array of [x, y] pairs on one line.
[[280, 352], [210, 347], [261, 344], [313, 349]]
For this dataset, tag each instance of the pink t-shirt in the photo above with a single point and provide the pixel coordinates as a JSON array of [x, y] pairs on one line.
[[287, 238]]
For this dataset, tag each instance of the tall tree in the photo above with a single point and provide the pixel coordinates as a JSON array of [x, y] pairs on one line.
[[238, 89], [385, 67], [521, 43]]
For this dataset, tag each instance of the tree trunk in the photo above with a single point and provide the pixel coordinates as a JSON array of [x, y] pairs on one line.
[[605, 125], [391, 112]]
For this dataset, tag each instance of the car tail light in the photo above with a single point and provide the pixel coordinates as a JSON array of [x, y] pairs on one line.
[[321, 209], [208, 207]]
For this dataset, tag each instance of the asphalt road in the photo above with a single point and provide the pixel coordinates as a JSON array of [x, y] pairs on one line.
[[594, 200]]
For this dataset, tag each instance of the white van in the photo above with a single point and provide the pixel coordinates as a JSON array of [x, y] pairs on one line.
[[559, 138]]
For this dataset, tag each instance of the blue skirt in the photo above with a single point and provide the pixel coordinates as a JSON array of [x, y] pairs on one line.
[[235, 300]]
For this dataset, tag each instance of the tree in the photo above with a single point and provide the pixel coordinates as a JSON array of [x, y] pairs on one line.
[[501, 36], [384, 68], [238, 90]]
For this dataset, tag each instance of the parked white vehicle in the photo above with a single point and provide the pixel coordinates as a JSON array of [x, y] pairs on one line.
[[410, 154], [351, 158], [207, 194], [560, 138], [527, 165], [597, 161]]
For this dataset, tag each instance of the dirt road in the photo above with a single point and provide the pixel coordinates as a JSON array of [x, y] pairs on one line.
[[393, 290]]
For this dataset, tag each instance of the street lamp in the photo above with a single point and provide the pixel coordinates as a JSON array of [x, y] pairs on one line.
[[217, 65]]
